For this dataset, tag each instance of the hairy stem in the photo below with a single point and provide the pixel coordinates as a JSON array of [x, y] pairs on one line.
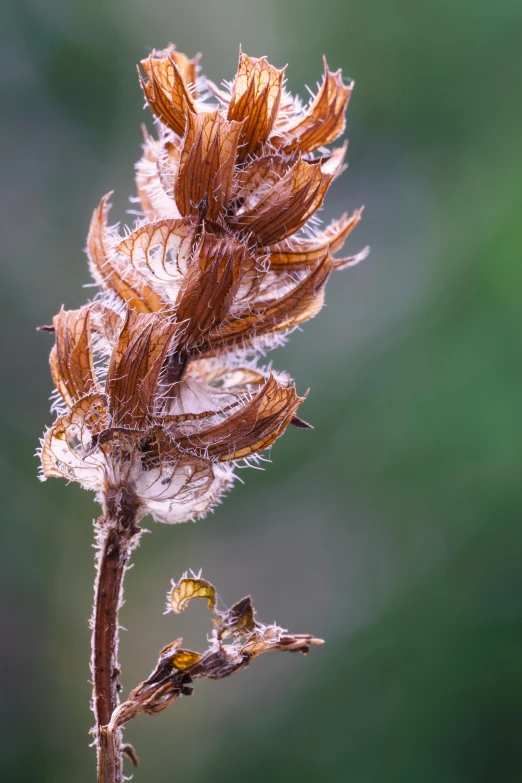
[[117, 535]]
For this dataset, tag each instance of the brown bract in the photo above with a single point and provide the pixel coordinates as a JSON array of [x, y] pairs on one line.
[[254, 100]]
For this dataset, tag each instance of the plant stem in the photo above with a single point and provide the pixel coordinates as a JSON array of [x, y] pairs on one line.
[[117, 534]]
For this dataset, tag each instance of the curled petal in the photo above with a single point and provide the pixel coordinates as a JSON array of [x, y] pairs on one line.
[[287, 206], [251, 429], [206, 164], [299, 252], [323, 121], [71, 359], [166, 90], [255, 98], [112, 275]]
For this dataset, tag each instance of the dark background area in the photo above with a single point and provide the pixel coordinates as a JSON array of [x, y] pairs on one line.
[[393, 528]]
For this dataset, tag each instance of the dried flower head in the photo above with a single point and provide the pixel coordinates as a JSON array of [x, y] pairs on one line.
[[159, 392], [158, 377]]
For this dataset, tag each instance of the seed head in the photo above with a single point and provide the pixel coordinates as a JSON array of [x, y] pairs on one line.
[[158, 381]]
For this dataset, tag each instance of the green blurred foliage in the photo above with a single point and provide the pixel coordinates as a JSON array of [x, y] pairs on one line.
[[393, 528]]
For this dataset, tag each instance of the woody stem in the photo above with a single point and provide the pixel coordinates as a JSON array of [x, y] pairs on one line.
[[117, 534]]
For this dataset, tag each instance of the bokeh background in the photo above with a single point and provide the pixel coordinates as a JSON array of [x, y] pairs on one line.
[[393, 529]]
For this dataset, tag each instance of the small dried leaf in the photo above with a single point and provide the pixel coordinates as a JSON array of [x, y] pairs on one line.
[[225, 378], [160, 251], [189, 588], [254, 181], [238, 620], [343, 263], [168, 156], [255, 98]]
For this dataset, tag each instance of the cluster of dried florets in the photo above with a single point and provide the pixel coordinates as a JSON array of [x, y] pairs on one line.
[[159, 390]]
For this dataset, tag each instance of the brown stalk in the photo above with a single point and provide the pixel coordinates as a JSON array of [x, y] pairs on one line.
[[118, 533]]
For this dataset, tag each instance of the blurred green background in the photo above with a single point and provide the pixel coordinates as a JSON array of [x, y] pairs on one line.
[[393, 528]]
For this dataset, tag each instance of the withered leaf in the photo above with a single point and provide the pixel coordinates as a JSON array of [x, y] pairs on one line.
[[160, 251], [188, 67], [155, 175], [187, 589], [177, 669], [228, 379], [257, 178], [237, 620]]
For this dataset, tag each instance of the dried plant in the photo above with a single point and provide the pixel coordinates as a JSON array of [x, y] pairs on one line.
[[159, 390]]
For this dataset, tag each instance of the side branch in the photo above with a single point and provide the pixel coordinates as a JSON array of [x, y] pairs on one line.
[[177, 669], [117, 534]]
